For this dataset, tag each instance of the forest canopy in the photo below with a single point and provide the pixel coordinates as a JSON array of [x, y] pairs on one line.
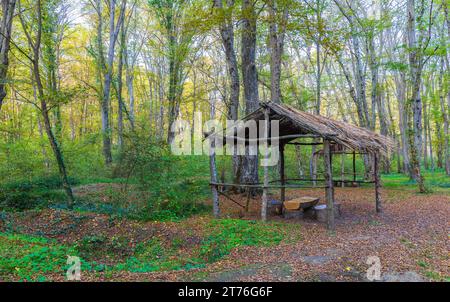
[[87, 87]]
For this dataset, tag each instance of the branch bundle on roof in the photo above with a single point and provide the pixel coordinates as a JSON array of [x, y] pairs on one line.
[[295, 122]]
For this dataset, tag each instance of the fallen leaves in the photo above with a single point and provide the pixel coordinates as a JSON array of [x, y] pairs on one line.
[[412, 230]]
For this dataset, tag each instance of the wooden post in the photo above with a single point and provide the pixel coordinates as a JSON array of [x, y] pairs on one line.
[[247, 203], [329, 185], [266, 168], [343, 169], [377, 183], [212, 166], [213, 172], [354, 166], [282, 175]]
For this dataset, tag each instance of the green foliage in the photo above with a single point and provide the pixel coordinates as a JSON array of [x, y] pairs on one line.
[[19, 161], [148, 257], [84, 158], [221, 237], [227, 234], [436, 276], [100, 247], [89, 245], [30, 258], [436, 180], [154, 255], [169, 192], [396, 66], [27, 194], [28, 185], [174, 201], [21, 201]]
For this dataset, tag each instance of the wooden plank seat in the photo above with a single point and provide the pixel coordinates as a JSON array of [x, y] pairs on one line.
[[304, 202]]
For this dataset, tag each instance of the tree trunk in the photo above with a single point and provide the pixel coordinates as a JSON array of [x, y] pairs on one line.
[[5, 37], [298, 156], [329, 190], [174, 81], [277, 30], [445, 117], [113, 35], [227, 35], [384, 128], [249, 173], [266, 168], [120, 89], [313, 160], [212, 166], [425, 136], [377, 183], [35, 46], [414, 103], [403, 121]]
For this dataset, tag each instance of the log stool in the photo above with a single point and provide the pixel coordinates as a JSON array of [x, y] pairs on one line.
[[320, 212], [293, 208]]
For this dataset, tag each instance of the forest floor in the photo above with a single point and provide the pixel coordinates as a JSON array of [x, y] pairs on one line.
[[410, 237]]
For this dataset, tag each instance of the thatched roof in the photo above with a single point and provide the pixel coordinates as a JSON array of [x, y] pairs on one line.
[[293, 121]]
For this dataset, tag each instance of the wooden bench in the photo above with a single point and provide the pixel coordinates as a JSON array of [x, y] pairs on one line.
[[304, 202], [293, 208]]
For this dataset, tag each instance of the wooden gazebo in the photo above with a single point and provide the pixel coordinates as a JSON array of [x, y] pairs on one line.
[[335, 136]]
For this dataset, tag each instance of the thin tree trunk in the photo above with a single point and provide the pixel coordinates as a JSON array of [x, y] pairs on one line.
[[445, 116], [113, 35], [35, 46], [298, 156], [5, 37], [329, 190], [425, 136], [277, 30], [120, 89], [212, 166]]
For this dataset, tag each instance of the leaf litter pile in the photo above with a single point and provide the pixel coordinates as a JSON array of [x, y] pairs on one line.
[[411, 238]]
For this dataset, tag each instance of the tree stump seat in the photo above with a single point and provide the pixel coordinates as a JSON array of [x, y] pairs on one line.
[[299, 203], [319, 212], [293, 208]]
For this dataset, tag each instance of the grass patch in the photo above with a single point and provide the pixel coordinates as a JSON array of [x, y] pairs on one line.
[[227, 234], [221, 237], [436, 276], [30, 258], [407, 242], [434, 180], [154, 255], [422, 264]]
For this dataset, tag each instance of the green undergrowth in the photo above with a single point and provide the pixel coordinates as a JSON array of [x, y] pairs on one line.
[[434, 180], [32, 193], [31, 258]]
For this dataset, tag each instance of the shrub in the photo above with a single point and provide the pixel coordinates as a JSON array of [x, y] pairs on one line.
[[28, 194]]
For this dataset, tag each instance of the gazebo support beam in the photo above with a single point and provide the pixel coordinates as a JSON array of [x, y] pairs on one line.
[[266, 168], [282, 174], [343, 169], [213, 172], [377, 183], [329, 191]]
